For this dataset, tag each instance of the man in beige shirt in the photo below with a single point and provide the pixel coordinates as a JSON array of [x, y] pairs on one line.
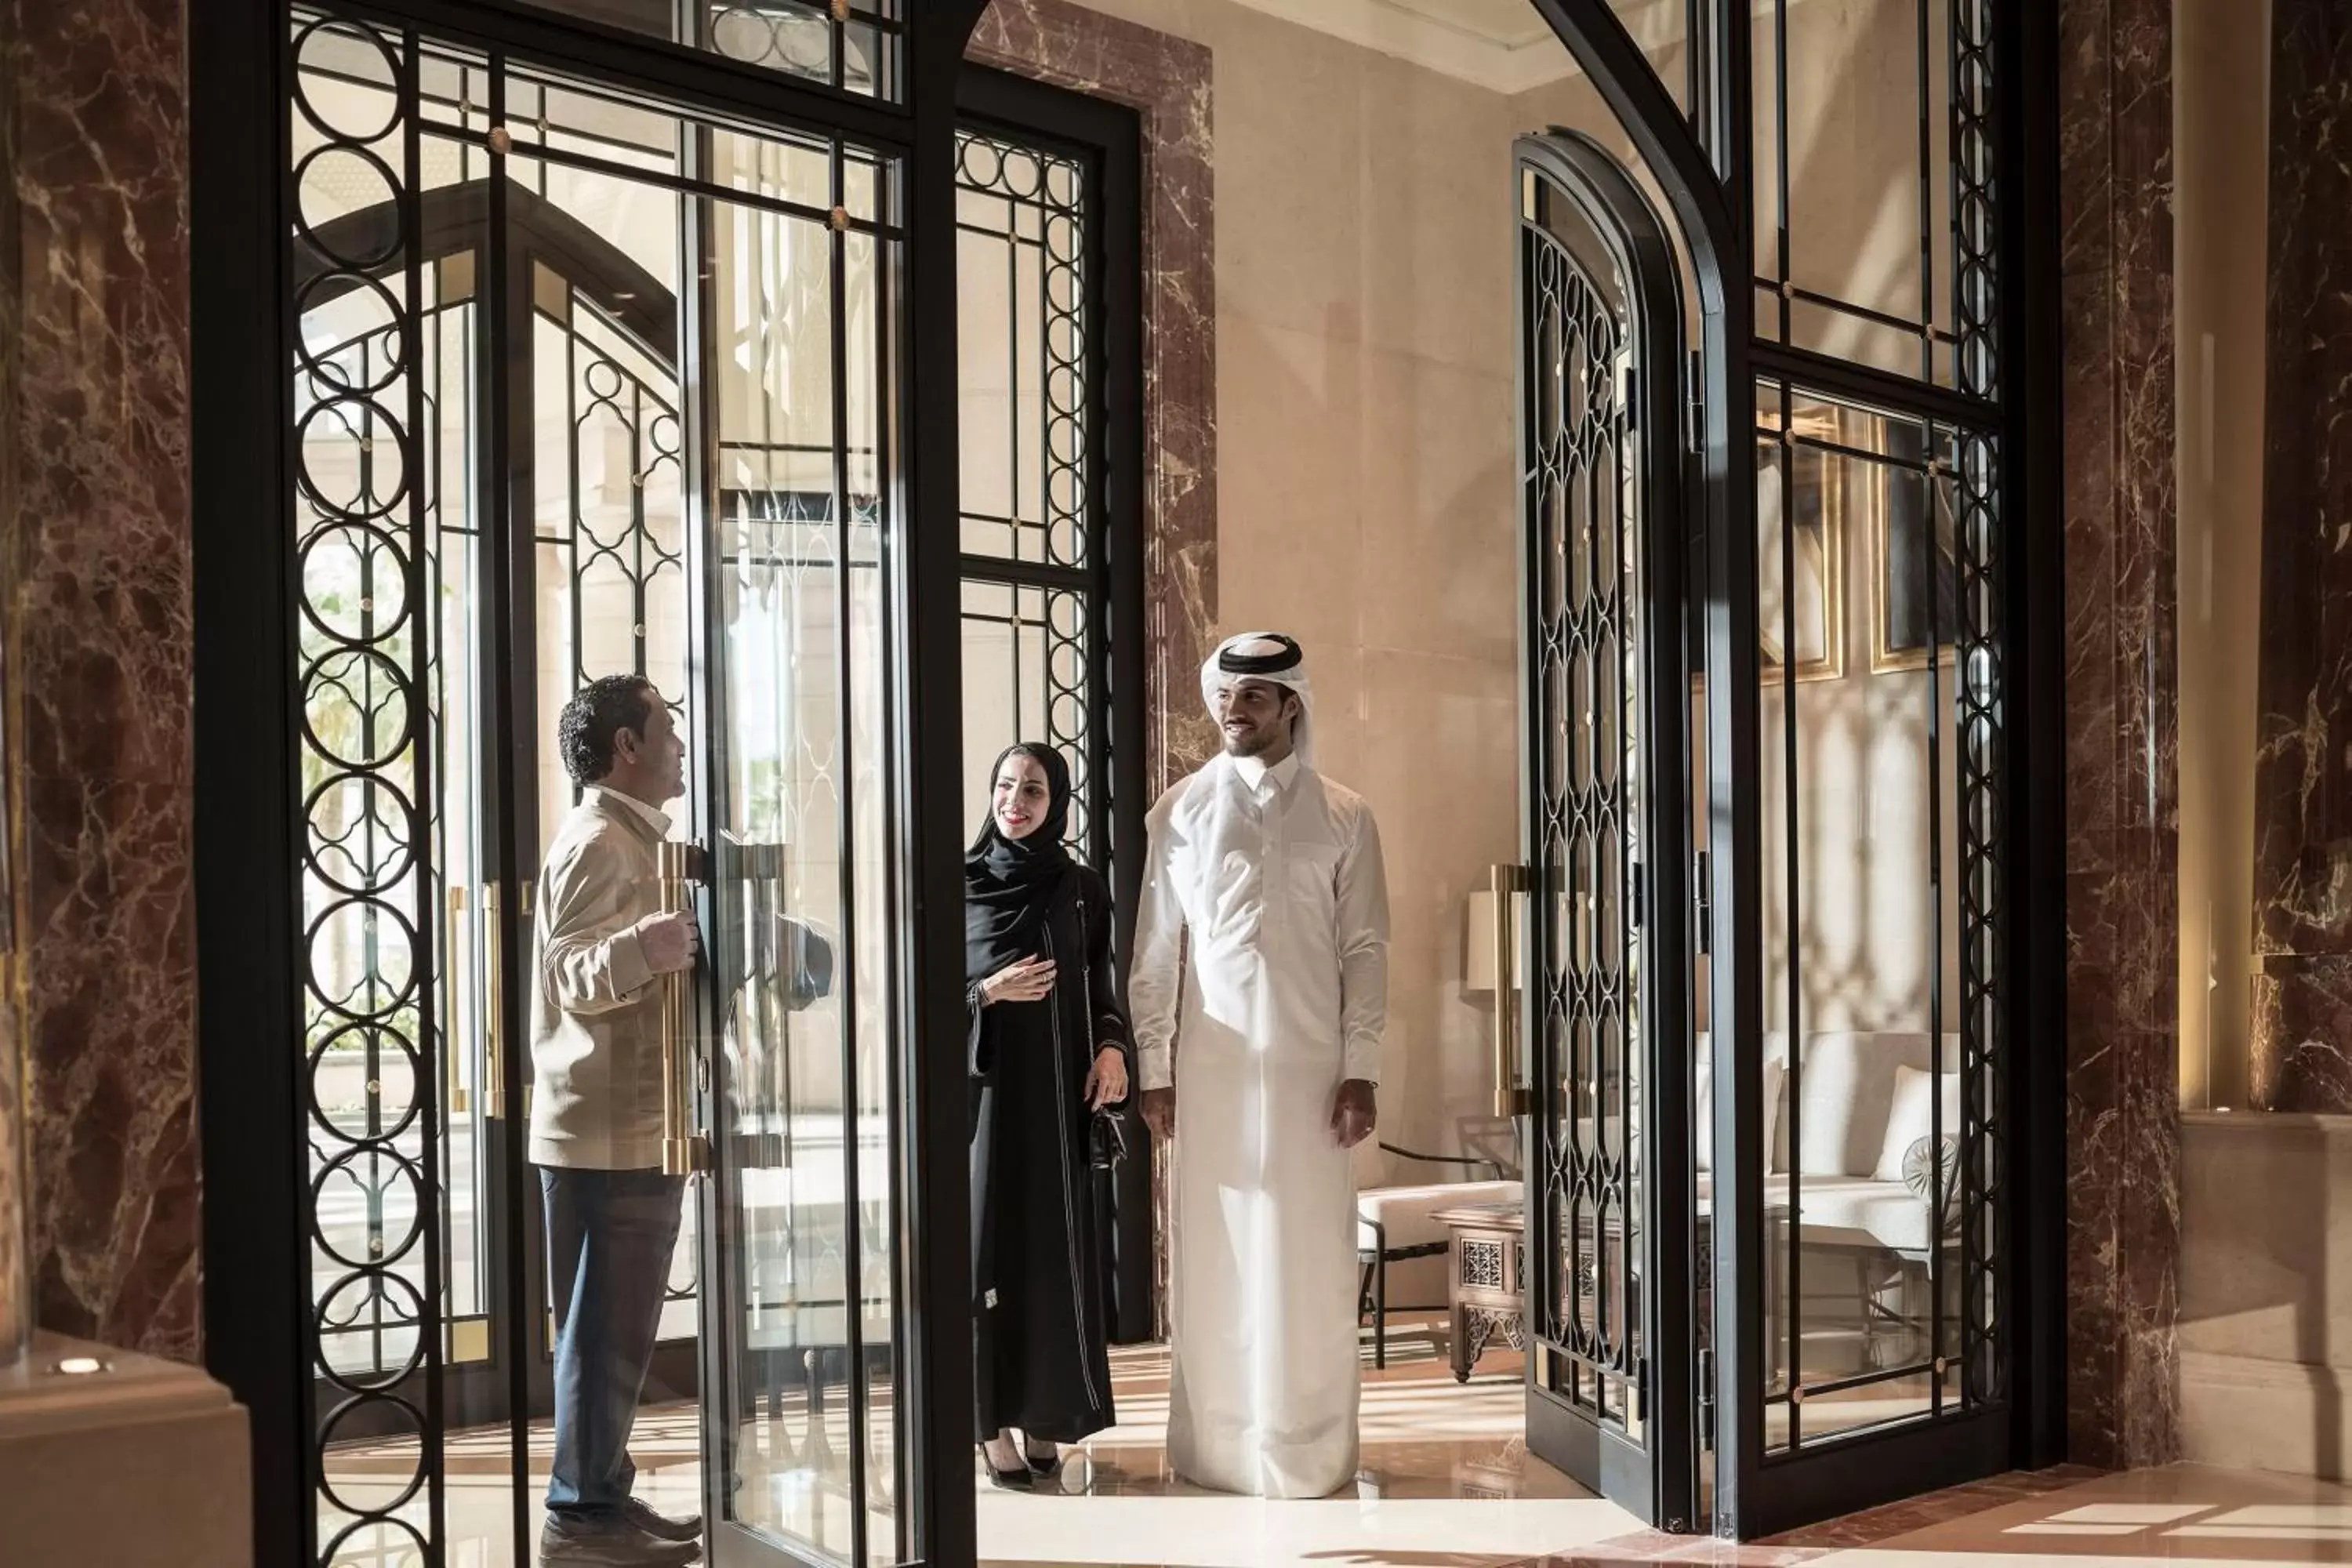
[[595, 1124]]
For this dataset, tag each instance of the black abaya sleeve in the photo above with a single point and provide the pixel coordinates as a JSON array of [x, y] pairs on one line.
[[1106, 997]]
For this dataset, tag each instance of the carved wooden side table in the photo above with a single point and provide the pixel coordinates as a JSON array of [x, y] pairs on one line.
[[1488, 1257]]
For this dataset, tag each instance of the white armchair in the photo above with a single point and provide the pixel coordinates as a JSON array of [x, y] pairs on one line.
[[1396, 1226]]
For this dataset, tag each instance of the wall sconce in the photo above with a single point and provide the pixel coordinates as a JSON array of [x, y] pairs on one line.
[[1478, 938]]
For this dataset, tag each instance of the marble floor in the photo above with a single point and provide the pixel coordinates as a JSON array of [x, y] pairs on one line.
[[1445, 1481], [2182, 1516]]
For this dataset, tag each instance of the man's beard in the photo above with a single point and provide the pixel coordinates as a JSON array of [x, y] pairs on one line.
[[1253, 743]]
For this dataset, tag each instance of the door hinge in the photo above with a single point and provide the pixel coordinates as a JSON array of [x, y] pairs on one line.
[[1628, 388], [1695, 404], [1707, 1400], [1702, 903]]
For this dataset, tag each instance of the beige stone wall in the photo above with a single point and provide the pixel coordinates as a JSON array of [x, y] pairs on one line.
[[1367, 504], [1366, 498], [2220, 105]]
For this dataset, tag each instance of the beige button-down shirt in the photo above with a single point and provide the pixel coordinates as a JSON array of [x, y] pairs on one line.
[[595, 1035]]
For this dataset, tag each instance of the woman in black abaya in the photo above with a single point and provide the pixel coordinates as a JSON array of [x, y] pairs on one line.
[[1048, 1047]]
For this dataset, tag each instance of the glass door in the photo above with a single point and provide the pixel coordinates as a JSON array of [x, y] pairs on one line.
[[799, 1023], [1602, 955], [587, 381]]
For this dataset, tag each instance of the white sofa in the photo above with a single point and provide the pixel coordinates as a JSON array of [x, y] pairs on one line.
[[1393, 1220], [1864, 1098], [1855, 1118]]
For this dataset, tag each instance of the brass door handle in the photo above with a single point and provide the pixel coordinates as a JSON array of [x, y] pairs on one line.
[[684, 1152], [494, 1007], [1511, 1096], [458, 1101]]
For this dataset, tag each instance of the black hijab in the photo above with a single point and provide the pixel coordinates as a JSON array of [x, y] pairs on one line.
[[1010, 883]]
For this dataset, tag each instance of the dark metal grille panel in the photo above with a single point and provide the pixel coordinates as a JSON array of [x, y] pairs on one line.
[[1982, 644], [1974, 196], [627, 555], [856, 47], [1984, 920], [1026, 662], [1022, 238], [1585, 957], [362, 545], [1874, 429], [1033, 587]]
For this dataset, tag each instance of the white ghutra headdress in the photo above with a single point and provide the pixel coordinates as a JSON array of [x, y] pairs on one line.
[[1269, 656]]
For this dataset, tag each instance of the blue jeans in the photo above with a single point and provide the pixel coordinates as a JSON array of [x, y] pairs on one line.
[[609, 1237]]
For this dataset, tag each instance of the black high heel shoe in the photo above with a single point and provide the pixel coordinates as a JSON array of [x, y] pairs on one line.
[[1017, 1480], [1041, 1468]]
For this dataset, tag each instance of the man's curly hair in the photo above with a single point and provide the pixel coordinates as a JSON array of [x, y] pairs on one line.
[[584, 734]]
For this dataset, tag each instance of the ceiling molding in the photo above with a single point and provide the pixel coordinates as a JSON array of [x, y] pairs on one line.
[[1484, 56], [1502, 46]]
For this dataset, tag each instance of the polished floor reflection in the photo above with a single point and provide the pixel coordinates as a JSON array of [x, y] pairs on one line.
[[2181, 1513], [480, 1489], [1445, 1479], [2068, 1518]]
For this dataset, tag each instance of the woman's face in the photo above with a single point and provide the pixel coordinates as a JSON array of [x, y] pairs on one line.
[[1022, 796]]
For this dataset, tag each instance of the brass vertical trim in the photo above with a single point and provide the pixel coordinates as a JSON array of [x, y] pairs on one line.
[[494, 1007], [683, 1153], [1511, 1096], [458, 1102]]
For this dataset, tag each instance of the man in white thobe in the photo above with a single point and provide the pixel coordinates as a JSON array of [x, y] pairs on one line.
[[1272, 872]]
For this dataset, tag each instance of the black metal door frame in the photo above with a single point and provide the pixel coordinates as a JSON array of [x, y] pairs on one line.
[[1106, 139], [1703, 162], [257, 1291], [1644, 1460]]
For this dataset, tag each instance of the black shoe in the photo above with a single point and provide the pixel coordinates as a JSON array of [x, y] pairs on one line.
[[1041, 1465], [661, 1527], [613, 1542], [1017, 1480]]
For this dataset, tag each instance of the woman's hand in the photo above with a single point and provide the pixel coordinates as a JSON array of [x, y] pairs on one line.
[[1030, 980], [1107, 1081]]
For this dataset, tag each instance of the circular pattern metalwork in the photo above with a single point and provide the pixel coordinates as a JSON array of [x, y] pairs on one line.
[[787, 38], [1037, 206], [837, 44], [350, 56], [345, 438], [358, 552]]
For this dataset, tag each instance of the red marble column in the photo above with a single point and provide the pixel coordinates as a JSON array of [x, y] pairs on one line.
[[94, 521], [2302, 1024], [2122, 681], [1167, 80]]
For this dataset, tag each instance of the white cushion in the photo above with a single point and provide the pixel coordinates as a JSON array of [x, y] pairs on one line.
[[1848, 1211], [1407, 1214], [1775, 1097], [1912, 1116], [1845, 1092]]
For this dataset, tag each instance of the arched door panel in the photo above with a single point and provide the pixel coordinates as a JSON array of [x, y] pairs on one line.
[[1606, 1267]]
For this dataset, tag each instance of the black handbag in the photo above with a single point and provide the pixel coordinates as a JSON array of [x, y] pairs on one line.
[[1107, 1139], [1106, 1130]]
